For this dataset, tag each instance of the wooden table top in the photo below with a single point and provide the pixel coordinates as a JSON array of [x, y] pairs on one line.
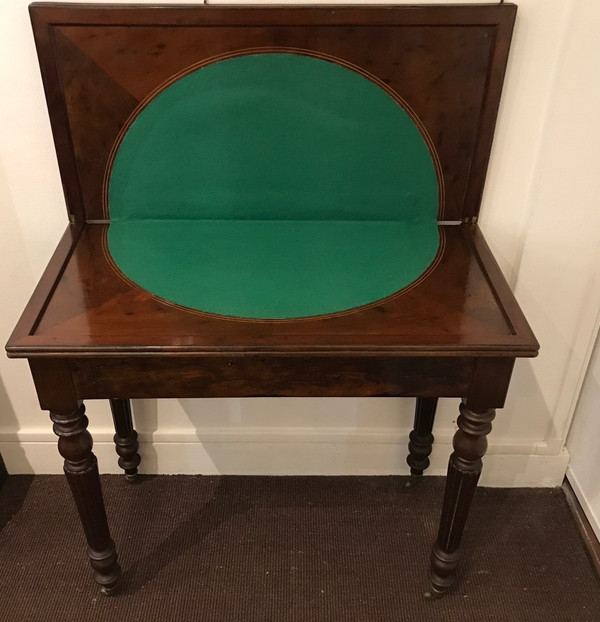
[[461, 306], [100, 64]]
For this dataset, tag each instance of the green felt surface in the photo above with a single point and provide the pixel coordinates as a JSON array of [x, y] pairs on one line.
[[278, 269], [273, 186]]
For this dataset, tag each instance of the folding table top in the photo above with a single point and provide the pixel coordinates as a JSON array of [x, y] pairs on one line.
[[272, 184], [244, 177]]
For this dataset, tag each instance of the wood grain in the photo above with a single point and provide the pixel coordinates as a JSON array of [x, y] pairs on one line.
[[446, 63]]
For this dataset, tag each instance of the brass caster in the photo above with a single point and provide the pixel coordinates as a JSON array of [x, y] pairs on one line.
[[434, 593], [413, 481], [109, 590]]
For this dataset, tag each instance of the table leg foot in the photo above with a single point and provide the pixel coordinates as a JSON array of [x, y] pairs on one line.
[[421, 438], [442, 572], [107, 571], [126, 438], [464, 469], [81, 470]]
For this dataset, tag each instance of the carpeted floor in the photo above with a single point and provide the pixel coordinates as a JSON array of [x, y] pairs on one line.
[[267, 549]]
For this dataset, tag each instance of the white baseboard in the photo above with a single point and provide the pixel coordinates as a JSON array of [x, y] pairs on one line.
[[584, 502], [289, 451]]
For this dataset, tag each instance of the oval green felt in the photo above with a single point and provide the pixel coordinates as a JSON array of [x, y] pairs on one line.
[[273, 186]]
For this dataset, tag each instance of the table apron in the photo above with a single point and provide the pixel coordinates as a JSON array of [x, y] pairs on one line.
[[256, 376]]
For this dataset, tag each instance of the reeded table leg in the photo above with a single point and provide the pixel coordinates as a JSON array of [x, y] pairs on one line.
[[464, 469], [81, 469], [421, 438], [126, 443]]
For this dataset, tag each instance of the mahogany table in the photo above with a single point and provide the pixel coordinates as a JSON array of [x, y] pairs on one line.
[[342, 152]]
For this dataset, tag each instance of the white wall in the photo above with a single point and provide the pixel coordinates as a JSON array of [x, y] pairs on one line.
[[538, 214], [584, 444]]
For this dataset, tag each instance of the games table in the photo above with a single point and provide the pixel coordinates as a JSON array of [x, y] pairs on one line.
[[272, 202]]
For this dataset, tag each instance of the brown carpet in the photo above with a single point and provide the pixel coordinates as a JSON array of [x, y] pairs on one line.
[[262, 549]]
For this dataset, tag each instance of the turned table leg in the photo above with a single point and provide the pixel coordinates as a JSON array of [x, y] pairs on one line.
[[81, 469], [421, 438], [126, 443], [464, 469]]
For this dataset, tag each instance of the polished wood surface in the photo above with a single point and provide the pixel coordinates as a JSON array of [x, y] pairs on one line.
[[459, 307], [464, 469], [81, 469], [421, 438], [89, 333], [126, 443], [446, 63]]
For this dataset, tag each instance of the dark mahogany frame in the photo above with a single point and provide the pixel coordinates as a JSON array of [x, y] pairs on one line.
[[456, 334]]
